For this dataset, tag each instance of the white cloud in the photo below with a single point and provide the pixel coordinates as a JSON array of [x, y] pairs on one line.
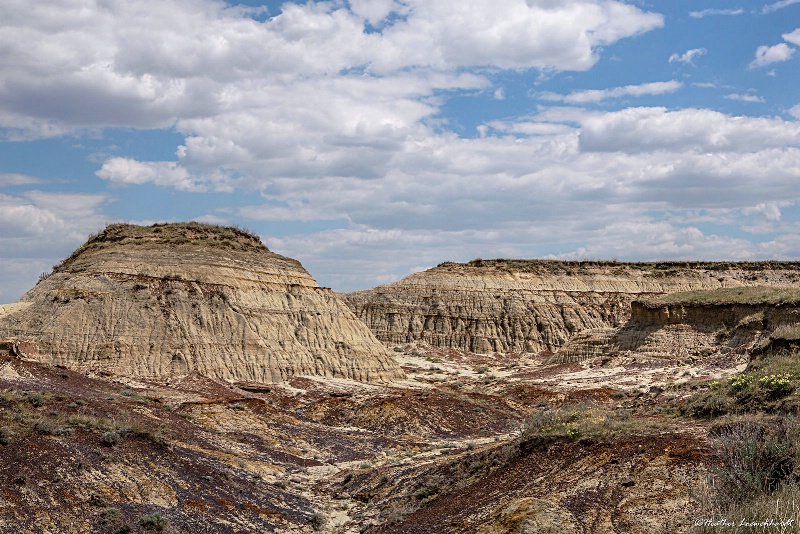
[[746, 97], [779, 5], [41, 228], [150, 63], [709, 12], [766, 55], [688, 56], [635, 130], [328, 122], [11, 178], [795, 111], [597, 95], [129, 171], [375, 11], [792, 37]]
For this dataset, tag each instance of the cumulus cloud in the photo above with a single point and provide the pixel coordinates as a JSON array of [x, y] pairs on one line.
[[151, 63], [126, 171], [331, 112], [691, 130], [792, 37], [766, 55], [597, 95], [41, 228], [688, 56]]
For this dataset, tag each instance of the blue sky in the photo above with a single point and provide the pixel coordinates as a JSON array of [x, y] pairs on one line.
[[373, 138]]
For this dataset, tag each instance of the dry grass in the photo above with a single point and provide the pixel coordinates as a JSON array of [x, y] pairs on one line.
[[757, 295], [570, 423], [231, 237], [753, 487], [665, 268]]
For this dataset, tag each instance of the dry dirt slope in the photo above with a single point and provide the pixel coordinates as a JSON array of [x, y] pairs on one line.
[[436, 453]]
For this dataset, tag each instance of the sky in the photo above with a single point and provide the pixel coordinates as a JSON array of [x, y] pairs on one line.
[[370, 139]]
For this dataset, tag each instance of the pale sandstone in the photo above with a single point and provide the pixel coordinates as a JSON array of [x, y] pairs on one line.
[[530, 306], [168, 300]]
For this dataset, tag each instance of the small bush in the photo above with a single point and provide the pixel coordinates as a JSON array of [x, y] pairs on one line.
[[780, 511], [776, 385], [154, 521], [740, 383], [317, 521], [755, 458], [37, 399], [570, 423], [48, 427], [112, 515], [110, 438]]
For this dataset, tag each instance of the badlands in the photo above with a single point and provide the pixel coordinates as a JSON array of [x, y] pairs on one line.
[[184, 378]]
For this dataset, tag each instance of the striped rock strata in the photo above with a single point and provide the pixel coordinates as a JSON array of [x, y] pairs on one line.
[[172, 299], [531, 305]]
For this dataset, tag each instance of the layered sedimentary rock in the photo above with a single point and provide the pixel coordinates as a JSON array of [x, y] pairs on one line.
[[694, 327], [171, 299], [517, 305]]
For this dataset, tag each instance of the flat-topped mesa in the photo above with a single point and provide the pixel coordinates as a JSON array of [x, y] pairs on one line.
[[170, 299], [534, 305], [734, 321]]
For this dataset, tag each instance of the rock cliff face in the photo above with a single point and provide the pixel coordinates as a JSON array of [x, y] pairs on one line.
[[531, 306], [694, 329], [171, 299]]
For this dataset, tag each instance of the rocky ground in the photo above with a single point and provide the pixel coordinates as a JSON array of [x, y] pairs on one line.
[[445, 450]]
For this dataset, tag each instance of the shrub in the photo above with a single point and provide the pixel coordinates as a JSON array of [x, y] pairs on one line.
[[154, 521], [782, 509], [49, 427], [570, 423], [37, 399], [776, 385], [755, 458], [740, 383], [110, 438], [112, 515], [317, 521]]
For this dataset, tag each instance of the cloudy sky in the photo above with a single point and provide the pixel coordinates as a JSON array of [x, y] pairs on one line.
[[373, 138]]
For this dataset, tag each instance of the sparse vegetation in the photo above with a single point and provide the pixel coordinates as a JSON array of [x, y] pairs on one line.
[[317, 521], [756, 295], [110, 438], [153, 521], [769, 385], [569, 423], [755, 479]]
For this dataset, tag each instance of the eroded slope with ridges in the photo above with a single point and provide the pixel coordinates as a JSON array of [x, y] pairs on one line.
[[518, 305], [167, 300]]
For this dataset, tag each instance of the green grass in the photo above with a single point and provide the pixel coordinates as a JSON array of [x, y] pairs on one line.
[[788, 332], [664, 268], [755, 478], [570, 423], [174, 233], [757, 295]]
